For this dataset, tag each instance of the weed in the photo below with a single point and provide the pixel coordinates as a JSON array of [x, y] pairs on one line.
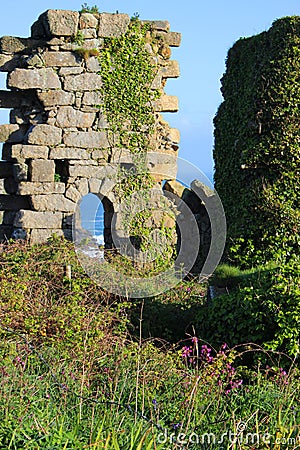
[[89, 9], [78, 38]]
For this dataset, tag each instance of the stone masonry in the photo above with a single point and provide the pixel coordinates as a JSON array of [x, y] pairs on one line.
[[56, 148]]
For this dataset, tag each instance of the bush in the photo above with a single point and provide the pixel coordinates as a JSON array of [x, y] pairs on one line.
[[37, 300], [264, 310]]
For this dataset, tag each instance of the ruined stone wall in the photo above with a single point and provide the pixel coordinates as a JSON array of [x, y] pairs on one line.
[[57, 147]]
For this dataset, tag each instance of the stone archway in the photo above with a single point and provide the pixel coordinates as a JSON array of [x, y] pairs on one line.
[[93, 218]]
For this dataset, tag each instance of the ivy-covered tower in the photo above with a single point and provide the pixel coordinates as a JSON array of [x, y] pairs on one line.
[[257, 145]]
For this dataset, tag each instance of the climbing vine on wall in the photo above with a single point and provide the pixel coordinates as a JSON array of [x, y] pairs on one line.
[[128, 72], [257, 145]]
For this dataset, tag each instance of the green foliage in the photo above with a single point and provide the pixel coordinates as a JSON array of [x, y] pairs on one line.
[[152, 215], [72, 377], [38, 300], [127, 75], [78, 38], [257, 157], [89, 9], [149, 221], [265, 309], [133, 181], [229, 276]]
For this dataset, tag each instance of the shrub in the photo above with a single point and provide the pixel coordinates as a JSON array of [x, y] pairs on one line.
[[264, 310], [37, 300]]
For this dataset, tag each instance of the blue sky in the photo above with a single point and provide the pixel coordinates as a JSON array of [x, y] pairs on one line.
[[209, 29]]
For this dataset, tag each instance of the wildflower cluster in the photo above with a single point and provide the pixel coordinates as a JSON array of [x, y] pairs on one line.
[[217, 371], [206, 354]]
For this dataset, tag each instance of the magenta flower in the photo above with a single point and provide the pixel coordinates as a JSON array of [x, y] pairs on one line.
[[186, 351]]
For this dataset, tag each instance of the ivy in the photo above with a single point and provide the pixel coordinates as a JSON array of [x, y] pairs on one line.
[[131, 181], [128, 72], [257, 152]]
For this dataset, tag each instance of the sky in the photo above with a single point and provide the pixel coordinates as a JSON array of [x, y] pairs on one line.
[[209, 29]]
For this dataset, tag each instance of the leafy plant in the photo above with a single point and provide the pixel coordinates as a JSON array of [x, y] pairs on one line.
[[127, 73], [264, 310], [78, 38], [85, 8]]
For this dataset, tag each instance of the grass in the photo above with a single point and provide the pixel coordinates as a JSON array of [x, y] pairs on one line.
[[83, 369], [227, 276]]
